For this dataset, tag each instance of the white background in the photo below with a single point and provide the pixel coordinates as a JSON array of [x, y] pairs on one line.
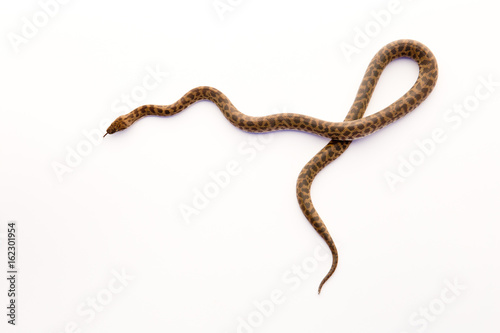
[[119, 207]]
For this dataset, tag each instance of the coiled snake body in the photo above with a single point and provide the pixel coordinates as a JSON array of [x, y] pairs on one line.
[[340, 133]]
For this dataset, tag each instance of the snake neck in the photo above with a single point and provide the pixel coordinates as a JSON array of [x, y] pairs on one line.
[[191, 97]]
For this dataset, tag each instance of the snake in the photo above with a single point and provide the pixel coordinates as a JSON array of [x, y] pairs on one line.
[[341, 134]]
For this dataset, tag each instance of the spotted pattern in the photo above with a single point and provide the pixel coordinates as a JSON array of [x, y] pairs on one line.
[[355, 126]]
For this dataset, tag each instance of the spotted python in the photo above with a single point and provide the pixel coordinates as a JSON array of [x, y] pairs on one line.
[[341, 134]]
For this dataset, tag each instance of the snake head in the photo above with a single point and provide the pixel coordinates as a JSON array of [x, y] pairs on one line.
[[116, 126]]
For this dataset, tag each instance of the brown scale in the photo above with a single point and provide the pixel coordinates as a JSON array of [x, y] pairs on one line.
[[340, 133]]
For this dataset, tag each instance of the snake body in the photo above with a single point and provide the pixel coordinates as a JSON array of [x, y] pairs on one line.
[[341, 134]]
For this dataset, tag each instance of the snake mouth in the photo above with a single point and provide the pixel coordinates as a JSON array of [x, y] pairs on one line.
[[111, 129], [116, 126]]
